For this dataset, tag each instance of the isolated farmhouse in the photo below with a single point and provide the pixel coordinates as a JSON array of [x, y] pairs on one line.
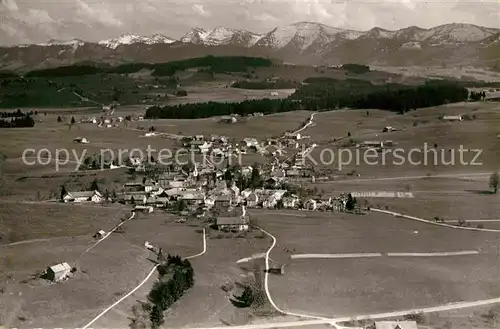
[[58, 272]]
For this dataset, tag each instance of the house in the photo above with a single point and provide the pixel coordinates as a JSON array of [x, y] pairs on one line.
[[388, 129], [83, 196], [177, 183], [228, 119], [222, 202], [217, 152], [293, 173], [135, 197], [100, 234], [396, 325], [272, 198], [205, 147], [81, 140], [291, 201], [193, 198], [310, 204], [372, 144], [58, 272], [250, 142], [233, 222], [272, 182], [145, 209], [273, 93], [452, 118], [277, 269], [159, 202]]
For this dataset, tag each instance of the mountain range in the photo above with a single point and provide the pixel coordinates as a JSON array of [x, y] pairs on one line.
[[300, 43]]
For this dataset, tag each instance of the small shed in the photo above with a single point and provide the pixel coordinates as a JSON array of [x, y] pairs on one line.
[[452, 118], [81, 140], [277, 269], [58, 272], [100, 234]]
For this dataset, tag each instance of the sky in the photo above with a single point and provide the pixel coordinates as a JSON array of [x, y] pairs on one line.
[[36, 21]]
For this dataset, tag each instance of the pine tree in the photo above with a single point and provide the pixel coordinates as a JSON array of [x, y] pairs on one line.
[[156, 317], [351, 202], [94, 186], [73, 120], [63, 192], [59, 119]]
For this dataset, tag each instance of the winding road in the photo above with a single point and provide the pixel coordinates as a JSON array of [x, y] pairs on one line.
[[142, 283], [309, 123]]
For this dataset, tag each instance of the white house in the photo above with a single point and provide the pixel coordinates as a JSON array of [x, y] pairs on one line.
[[205, 147], [58, 272], [274, 93], [100, 234], [83, 196], [452, 118], [248, 142], [291, 201], [310, 204]]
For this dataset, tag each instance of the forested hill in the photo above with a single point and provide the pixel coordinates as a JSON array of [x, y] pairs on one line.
[[213, 64], [323, 94]]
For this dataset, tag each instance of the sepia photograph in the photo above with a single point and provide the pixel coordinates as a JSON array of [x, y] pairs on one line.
[[244, 164]]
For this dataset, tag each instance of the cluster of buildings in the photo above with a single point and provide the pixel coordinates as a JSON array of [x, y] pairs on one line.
[[104, 121], [223, 146]]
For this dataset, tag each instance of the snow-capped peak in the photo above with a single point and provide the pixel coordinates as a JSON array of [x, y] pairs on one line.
[[304, 34], [53, 42], [128, 39], [220, 36]]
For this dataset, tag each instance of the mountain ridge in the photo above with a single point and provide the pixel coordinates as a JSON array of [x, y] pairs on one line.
[[301, 42]]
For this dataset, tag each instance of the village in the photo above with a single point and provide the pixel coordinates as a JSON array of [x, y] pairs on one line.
[[207, 190]]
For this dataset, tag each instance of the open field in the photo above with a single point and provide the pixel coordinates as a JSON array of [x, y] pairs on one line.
[[26, 221], [45, 183], [345, 287], [104, 273], [257, 127], [356, 286], [480, 134], [197, 94], [431, 72], [374, 232], [214, 269]]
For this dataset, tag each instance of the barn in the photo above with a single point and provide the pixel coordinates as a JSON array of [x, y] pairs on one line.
[[58, 272]]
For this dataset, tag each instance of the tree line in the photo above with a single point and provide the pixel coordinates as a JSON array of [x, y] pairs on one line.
[[259, 85], [17, 114], [216, 64], [210, 109], [320, 94], [356, 68], [25, 121], [175, 277]]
